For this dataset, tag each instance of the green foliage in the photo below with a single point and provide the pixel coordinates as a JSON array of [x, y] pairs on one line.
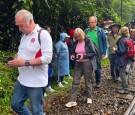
[[124, 10], [7, 80], [61, 15], [105, 62]]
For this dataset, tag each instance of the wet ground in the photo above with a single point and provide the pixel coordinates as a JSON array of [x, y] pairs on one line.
[[105, 100]]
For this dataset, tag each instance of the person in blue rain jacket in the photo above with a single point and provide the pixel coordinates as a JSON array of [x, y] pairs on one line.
[[122, 60], [62, 58]]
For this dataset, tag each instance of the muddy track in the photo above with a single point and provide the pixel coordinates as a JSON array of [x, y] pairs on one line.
[[106, 99]]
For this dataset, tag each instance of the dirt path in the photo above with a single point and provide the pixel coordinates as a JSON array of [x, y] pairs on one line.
[[105, 101]]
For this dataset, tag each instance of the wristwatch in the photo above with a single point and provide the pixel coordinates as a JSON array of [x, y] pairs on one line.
[[27, 63]]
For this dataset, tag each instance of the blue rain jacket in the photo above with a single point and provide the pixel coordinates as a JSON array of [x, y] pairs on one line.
[[63, 56]]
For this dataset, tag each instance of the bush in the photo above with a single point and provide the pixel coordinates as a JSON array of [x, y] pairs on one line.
[[7, 80]]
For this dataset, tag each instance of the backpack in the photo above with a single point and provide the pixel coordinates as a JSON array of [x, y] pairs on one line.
[[54, 56], [130, 48]]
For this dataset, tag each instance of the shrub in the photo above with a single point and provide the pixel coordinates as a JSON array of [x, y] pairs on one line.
[[7, 80]]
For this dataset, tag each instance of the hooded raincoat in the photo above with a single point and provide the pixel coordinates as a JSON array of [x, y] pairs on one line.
[[63, 56]]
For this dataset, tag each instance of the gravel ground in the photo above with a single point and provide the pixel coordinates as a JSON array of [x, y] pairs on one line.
[[104, 100]]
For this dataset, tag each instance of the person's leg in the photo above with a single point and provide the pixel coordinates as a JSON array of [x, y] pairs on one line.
[[122, 72], [112, 66], [72, 63], [49, 81], [50, 74], [117, 72], [87, 70], [18, 100], [116, 69], [98, 74], [62, 78], [76, 81], [36, 99]]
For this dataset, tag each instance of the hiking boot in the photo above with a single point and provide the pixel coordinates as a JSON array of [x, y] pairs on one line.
[[50, 89], [71, 104], [122, 91], [60, 84], [89, 100]]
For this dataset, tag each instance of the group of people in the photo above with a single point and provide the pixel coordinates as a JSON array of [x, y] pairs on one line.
[[117, 55], [83, 50]]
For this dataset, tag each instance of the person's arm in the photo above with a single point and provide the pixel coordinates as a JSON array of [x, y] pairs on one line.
[[91, 50], [58, 47], [46, 49], [121, 48], [21, 62], [104, 43]]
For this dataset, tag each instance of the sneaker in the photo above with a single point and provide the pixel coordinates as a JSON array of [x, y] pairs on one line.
[[122, 91], [119, 79], [71, 104], [50, 89], [89, 100], [64, 82], [60, 84], [97, 85], [45, 95], [111, 78]]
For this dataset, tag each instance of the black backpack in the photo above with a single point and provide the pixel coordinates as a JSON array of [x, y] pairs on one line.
[[54, 56]]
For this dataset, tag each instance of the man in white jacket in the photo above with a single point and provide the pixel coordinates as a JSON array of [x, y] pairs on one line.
[[32, 61]]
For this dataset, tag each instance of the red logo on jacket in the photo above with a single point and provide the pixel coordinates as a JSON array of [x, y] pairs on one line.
[[32, 40]]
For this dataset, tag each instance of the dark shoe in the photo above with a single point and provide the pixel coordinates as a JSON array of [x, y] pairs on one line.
[[122, 91]]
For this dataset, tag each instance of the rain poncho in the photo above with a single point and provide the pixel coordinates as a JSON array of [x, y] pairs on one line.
[[63, 56]]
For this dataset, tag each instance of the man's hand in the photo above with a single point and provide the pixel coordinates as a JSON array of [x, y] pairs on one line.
[[16, 63]]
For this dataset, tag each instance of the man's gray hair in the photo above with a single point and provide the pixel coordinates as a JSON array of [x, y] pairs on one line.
[[25, 14], [93, 17]]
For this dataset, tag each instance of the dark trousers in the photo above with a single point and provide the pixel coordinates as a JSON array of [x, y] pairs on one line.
[[61, 78], [81, 68], [50, 75], [98, 73], [113, 66]]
